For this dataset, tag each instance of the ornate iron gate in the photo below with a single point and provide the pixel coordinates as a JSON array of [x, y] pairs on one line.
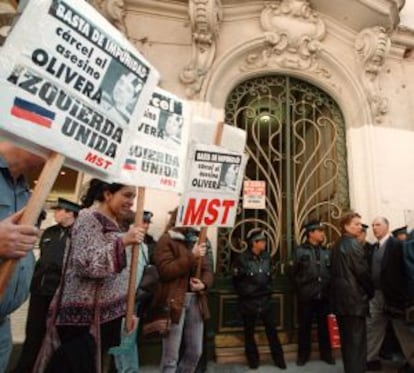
[[296, 144]]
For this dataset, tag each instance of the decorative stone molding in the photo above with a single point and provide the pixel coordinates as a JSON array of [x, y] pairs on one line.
[[113, 11], [372, 46], [205, 16], [292, 37]]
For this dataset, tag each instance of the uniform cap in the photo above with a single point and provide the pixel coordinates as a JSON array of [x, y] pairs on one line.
[[256, 234], [400, 230], [313, 225], [65, 204], [147, 216]]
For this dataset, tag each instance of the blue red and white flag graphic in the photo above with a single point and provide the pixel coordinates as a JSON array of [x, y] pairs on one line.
[[32, 112]]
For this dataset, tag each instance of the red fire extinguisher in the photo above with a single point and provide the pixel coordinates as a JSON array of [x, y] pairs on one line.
[[333, 329]]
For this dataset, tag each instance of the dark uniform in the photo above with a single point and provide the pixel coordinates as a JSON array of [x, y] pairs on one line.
[[252, 282], [312, 280]]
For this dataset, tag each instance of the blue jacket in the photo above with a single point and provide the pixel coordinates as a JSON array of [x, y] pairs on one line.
[[312, 272], [13, 197]]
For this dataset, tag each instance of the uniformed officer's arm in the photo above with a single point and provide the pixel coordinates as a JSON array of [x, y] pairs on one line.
[[303, 270]]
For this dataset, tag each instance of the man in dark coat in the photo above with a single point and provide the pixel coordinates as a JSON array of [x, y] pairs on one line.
[[391, 296], [46, 279], [312, 279], [351, 289], [252, 282]]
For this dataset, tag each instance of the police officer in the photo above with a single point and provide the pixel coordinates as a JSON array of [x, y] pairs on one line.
[[312, 277], [46, 279], [401, 233], [252, 282], [148, 239]]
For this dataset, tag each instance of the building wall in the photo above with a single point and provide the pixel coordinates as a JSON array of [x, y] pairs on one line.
[[367, 70]]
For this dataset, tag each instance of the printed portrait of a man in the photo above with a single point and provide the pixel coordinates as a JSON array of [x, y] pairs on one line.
[[120, 92]]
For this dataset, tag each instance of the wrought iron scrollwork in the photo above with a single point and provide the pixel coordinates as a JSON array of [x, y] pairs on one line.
[[296, 143]]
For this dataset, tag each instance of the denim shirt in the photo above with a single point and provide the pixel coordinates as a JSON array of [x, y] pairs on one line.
[[13, 197]]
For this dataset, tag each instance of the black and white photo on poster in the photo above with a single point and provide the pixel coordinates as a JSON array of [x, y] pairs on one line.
[[170, 125], [215, 168], [154, 160], [120, 91], [228, 176], [164, 119]]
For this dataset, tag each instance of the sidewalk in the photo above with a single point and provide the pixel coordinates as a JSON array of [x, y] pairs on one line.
[[314, 366]]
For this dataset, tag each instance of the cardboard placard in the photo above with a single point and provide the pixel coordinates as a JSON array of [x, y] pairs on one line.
[[213, 184], [72, 83], [157, 154]]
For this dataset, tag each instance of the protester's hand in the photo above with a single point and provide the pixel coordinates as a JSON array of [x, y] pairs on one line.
[[199, 250], [196, 284], [16, 240], [134, 325], [135, 235]]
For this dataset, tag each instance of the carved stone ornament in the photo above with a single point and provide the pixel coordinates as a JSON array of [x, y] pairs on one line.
[[372, 46], [113, 11], [205, 16], [292, 37]]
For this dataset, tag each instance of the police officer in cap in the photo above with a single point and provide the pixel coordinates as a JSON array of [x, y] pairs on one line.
[[400, 233], [46, 279], [312, 279], [148, 239], [252, 282]]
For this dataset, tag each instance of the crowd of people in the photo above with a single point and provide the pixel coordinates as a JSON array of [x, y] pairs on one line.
[[364, 284], [79, 284]]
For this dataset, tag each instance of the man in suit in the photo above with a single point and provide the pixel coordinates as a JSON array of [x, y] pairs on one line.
[[390, 299]]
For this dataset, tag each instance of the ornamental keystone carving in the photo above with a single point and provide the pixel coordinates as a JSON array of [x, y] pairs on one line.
[[292, 37], [205, 17], [113, 11], [372, 46]]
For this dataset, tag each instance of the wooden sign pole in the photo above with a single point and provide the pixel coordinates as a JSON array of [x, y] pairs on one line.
[[33, 208], [134, 264], [203, 231], [203, 234]]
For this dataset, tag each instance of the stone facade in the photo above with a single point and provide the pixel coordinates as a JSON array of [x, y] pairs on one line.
[[355, 51]]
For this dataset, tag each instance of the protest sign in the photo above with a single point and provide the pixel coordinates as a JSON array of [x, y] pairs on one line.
[[254, 194], [157, 154], [203, 130], [73, 87], [72, 83], [213, 184]]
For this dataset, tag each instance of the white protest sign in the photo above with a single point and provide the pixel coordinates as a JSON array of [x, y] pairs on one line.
[[157, 154], [254, 194], [213, 184], [70, 82], [203, 130]]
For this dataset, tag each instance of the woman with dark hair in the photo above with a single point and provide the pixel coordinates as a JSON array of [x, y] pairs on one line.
[[176, 255], [351, 290], [95, 283]]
